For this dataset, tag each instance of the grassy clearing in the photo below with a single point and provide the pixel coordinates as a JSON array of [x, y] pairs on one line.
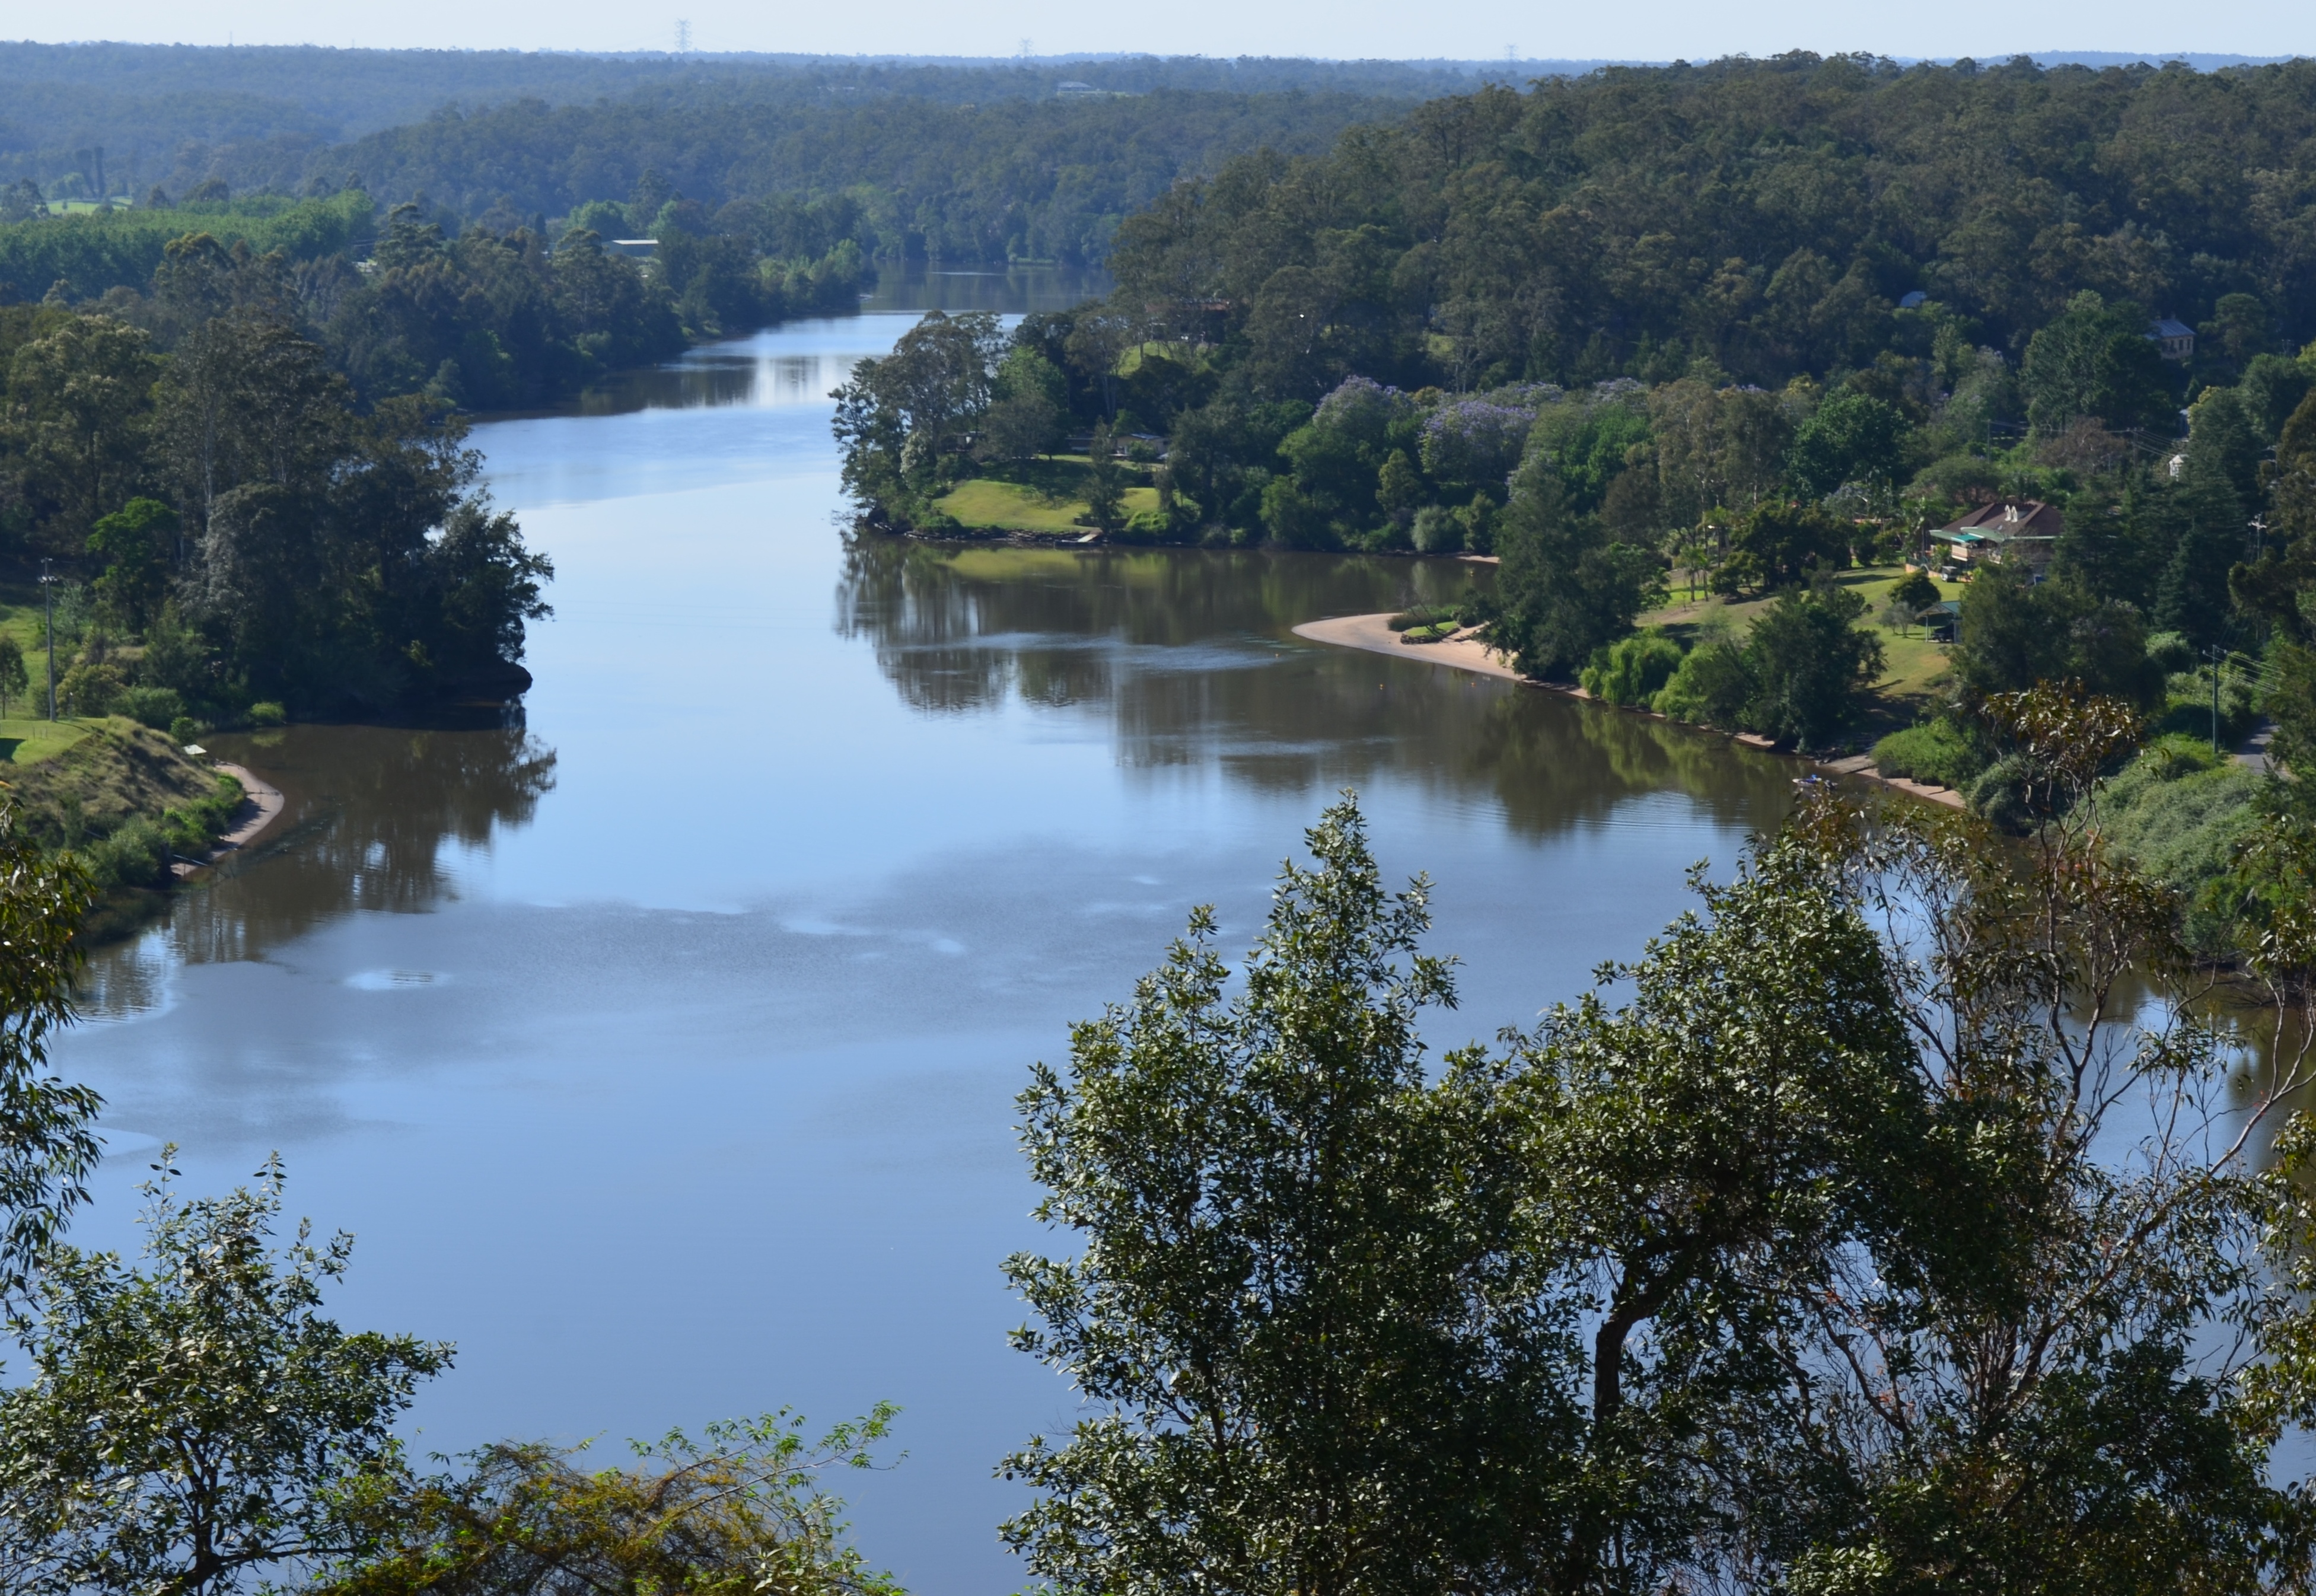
[[1913, 663], [25, 742], [985, 505], [1033, 496]]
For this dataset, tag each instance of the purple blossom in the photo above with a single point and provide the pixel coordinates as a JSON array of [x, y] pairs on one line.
[[1362, 407], [1473, 440]]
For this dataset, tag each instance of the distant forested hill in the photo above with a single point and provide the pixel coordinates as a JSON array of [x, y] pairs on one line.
[[122, 117], [1767, 217], [1044, 179]]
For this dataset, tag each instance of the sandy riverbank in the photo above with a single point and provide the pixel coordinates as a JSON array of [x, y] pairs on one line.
[[264, 804], [1462, 652]]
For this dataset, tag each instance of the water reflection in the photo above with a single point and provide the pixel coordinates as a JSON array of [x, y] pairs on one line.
[[1189, 655], [747, 371], [370, 811], [798, 362], [1016, 291]]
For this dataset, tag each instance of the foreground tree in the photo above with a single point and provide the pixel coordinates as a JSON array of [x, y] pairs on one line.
[[183, 1427], [47, 1143], [740, 1511], [1318, 1362], [1885, 1237]]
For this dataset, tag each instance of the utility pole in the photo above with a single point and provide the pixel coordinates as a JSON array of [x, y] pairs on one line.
[[2215, 653], [49, 624]]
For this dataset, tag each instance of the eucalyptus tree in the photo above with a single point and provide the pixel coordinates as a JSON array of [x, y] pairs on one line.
[[47, 1143], [1318, 1354], [183, 1429]]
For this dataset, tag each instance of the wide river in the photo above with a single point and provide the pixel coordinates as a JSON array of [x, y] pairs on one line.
[[661, 1050]]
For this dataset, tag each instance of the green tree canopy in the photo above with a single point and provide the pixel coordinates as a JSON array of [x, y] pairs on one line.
[[2096, 361], [184, 1427]]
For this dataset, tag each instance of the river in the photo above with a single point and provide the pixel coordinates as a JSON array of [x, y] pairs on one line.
[[661, 1050]]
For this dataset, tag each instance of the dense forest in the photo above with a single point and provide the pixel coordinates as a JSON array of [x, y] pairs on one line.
[[1744, 328], [241, 528], [963, 159]]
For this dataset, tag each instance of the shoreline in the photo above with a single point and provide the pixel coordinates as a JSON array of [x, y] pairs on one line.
[[257, 793], [1464, 652]]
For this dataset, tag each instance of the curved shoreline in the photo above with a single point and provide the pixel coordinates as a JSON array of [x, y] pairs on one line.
[[269, 803], [1462, 652]]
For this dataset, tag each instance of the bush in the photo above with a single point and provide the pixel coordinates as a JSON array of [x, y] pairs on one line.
[[1421, 615], [1437, 531], [1632, 669], [1942, 753], [267, 713], [159, 708], [2178, 813], [1999, 793], [2171, 652], [91, 688], [184, 728], [1712, 687], [136, 854]]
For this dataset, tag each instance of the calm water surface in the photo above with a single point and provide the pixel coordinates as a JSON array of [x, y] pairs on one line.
[[661, 1051]]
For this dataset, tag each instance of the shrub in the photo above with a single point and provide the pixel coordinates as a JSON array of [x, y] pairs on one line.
[[1632, 669], [1712, 687], [267, 713], [1997, 793], [136, 854], [2178, 813], [1942, 753], [1421, 615], [2171, 652], [159, 708], [184, 728], [91, 688], [1437, 531]]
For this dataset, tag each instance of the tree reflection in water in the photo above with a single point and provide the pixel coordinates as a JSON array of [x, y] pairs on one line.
[[369, 809], [1190, 652]]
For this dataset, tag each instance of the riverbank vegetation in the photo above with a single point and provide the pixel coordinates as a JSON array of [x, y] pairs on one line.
[[233, 526], [1514, 325]]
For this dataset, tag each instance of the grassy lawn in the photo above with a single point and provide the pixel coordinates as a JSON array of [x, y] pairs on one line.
[[1913, 662], [1045, 495], [29, 742]]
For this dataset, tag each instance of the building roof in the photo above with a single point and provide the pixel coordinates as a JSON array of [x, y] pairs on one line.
[[2005, 521], [2164, 326], [1913, 301]]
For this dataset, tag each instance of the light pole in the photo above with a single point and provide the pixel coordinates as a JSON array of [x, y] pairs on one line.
[[2215, 653], [49, 624]]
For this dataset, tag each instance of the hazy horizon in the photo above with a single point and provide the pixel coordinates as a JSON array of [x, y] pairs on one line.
[[1481, 32]]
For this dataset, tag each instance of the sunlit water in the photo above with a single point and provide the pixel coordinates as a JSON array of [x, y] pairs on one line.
[[662, 1053]]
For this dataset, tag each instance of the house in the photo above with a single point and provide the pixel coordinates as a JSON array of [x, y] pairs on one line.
[[1914, 301], [2176, 339], [1942, 620], [2025, 530], [634, 249]]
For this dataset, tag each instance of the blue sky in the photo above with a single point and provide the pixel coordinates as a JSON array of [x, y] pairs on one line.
[[1634, 30]]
